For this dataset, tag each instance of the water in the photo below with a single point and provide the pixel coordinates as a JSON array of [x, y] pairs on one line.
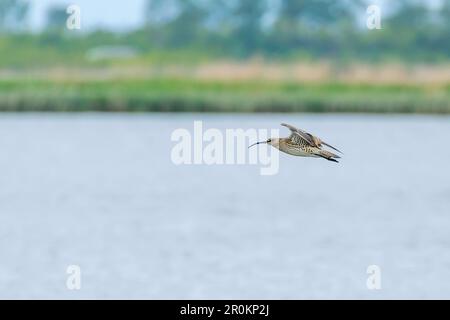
[[101, 192]]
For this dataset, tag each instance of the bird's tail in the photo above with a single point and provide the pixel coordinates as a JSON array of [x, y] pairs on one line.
[[327, 155]]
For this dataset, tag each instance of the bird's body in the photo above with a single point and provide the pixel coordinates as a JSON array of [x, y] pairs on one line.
[[300, 150], [302, 144]]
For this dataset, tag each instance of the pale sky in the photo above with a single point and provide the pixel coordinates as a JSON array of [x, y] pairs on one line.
[[116, 14]]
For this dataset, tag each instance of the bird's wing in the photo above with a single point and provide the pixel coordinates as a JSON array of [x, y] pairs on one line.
[[330, 146], [297, 134], [308, 137]]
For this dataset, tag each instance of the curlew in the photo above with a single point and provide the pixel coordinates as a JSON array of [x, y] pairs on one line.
[[302, 144]]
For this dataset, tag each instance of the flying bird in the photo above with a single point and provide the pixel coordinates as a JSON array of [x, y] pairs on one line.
[[302, 144]]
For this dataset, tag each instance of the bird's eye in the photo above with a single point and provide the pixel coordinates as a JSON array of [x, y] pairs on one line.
[[269, 140]]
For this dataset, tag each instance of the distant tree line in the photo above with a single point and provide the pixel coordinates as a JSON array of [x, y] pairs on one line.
[[314, 28], [411, 29]]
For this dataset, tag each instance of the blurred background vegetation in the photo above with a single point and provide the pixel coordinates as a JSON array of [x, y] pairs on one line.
[[232, 56]]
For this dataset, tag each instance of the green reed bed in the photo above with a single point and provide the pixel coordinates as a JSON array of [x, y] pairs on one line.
[[187, 95]]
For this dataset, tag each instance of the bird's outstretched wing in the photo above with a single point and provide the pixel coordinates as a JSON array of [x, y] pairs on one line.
[[297, 134], [313, 141]]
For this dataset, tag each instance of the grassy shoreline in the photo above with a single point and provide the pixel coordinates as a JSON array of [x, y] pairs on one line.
[[188, 95]]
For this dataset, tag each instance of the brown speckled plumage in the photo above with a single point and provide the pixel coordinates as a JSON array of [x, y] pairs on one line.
[[303, 144]]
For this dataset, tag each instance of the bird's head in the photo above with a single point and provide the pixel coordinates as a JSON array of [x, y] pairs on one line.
[[275, 142]]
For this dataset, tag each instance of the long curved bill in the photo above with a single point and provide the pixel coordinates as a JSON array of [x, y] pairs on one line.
[[257, 143]]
